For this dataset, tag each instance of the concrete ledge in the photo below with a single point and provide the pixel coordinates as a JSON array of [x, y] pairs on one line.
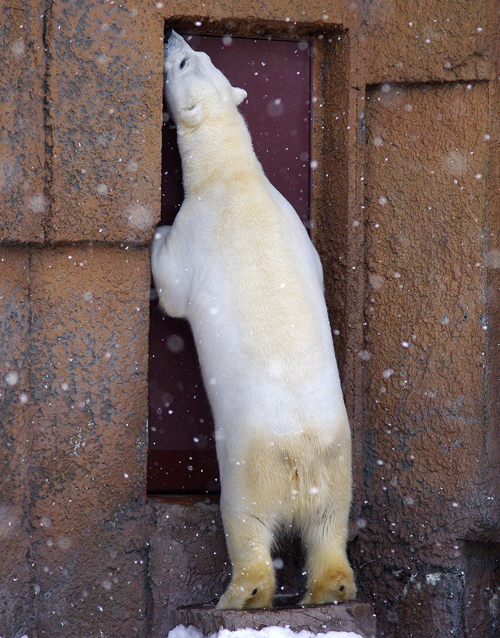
[[353, 616]]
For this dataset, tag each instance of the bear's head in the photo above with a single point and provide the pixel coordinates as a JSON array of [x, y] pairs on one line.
[[195, 89]]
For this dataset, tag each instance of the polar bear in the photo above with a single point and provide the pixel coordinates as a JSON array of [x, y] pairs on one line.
[[239, 265]]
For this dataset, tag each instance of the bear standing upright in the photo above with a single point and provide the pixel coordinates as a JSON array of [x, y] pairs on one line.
[[239, 265]]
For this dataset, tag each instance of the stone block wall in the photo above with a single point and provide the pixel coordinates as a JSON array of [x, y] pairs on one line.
[[406, 209], [79, 149]]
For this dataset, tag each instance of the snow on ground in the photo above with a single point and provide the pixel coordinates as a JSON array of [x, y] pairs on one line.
[[266, 632]]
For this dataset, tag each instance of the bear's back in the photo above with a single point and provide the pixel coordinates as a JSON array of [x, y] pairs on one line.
[[258, 312]]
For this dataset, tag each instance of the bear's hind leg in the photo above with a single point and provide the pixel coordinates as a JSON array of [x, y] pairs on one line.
[[330, 578], [253, 581]]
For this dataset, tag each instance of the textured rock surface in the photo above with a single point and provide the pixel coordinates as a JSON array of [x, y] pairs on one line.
[[426, 340], [80, 136], [23, 186], [353, 616], [89, 532], [105, 69], [16, 442], [188, 558]]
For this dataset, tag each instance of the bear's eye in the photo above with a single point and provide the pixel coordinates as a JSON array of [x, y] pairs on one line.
[[183, 63]]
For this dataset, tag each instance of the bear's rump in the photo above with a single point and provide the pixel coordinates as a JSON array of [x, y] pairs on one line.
[[294, 475]]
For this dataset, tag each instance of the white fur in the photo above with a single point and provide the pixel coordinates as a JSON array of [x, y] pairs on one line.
[[239, 265]]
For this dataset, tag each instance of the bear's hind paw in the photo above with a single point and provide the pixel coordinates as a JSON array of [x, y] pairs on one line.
[[337, 587], [248, 593], [256, 600]]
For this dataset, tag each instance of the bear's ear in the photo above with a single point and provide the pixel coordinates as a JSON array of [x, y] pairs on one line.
[[193, 115], [238, 95]]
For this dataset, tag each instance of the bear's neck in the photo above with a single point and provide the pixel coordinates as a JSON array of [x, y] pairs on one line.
[[216, 150]]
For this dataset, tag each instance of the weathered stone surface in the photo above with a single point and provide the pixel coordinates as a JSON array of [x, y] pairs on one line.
[[426, 307], [249, 15], [90, 525], [353, 616], [16, 441], [23, 197], [105, 99], [426, 341], [188, 558], [412, 42]]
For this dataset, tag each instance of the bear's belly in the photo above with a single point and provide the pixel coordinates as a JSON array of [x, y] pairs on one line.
[[263, 375]]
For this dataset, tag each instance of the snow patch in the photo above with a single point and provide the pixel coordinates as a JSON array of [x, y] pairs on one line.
[[266, 632], [433, 579]]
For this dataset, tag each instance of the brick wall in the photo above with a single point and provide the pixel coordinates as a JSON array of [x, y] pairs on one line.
[[406, 210]]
